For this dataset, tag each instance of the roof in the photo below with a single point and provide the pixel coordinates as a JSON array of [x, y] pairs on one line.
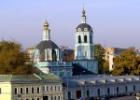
[[82, 80], [83, 26], [30, 78], [46, 44]]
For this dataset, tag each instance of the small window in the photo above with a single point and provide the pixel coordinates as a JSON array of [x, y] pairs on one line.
[[58, 97], [134, 87], [98, 92], [47, 89], [79, 29], [51, 88], [27, 91], [79, 39], [85, 38], [37, 89], [108, 91], [21, 90], [59, 88], [55, 88], [85, 29], [0, 90], [87, 93], [32, 90], [15, 91], [126, 89]]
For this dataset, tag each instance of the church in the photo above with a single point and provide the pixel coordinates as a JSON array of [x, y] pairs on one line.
[[80, 77], [48, 55]]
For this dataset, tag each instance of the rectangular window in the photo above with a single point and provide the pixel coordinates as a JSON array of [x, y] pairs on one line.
[[15, 91], [37, 89], [32, 90], [27, 91], [21, 90]]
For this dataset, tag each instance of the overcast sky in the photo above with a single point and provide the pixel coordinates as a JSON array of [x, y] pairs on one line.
[[116, 23]]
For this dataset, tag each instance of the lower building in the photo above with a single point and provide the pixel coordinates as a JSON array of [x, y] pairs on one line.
[[30, 87], [92, 87]]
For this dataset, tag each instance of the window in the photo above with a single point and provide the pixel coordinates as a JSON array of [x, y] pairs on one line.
[[51, 88], [47, 89], [27, 91], [85, 39], [98, 92], [58, 88], [108, 91], [78, 94], [21, 90], [32, 90], [55, 98], [126, 89], [69, 95], [55, 88], [79, 29], [58, 97], [87, 93], [79, 39], [15, 91], [37, 98], [117, 90], [85, 29], [91, 39], [134, 87], [51, 97], [37, 89]]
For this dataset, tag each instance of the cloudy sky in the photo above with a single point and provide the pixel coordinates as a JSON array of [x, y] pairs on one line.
[[115, 23]]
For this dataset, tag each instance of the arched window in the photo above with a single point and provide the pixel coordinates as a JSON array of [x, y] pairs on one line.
[[54, 56], [108, 91], [79, 39], [98, 92], [134, 87], [117, 90], [91, 39], [126, 89], [85, 39]]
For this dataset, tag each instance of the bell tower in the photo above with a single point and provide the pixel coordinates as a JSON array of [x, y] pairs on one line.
[[84, 47]]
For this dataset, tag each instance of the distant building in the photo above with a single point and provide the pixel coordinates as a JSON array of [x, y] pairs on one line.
[[84, 45], [30, 87], [48, 56], [110, 54], [95, 87]]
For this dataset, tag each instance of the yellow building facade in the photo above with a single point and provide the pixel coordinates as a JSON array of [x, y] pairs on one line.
[[30, 87]]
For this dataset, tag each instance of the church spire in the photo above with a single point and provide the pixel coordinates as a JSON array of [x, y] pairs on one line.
[[46, 31], [83, 18]]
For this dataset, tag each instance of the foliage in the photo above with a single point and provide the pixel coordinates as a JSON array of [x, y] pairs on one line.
[[128, 62], [12, 59], [99, 52]]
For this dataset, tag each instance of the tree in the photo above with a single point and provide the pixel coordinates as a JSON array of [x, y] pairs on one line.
[[13, 60], [128, 62], [99, 52]]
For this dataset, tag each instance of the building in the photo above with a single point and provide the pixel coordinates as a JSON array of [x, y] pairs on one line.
[[30, 87], [110, 54], [84, 45], [48, 56], [92, 87]]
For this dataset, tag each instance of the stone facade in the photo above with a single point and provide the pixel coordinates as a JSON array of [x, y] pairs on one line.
[[30, 87]]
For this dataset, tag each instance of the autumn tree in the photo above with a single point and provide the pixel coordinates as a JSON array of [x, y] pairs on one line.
[[128, 62], [13, 60], [99, 52]]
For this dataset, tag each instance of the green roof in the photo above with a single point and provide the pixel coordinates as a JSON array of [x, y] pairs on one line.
[[29, 78]]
